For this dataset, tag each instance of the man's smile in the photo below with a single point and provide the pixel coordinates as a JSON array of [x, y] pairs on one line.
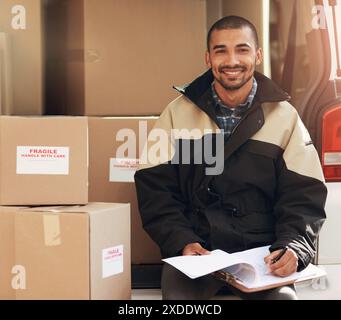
[[232, 72]]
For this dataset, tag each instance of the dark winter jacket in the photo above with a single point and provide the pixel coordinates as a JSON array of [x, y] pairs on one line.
[[271, 189]]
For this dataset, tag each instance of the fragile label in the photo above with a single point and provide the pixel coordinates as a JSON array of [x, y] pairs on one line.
[[112, 261], [122, 170], [42, 160]]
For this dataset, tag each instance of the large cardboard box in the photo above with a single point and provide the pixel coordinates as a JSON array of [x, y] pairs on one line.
[[121, 57], [43, 160], [71, 252], [111, 177], [22, 57]]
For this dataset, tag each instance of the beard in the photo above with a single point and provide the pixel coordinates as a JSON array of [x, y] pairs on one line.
[[237, 86], [227, 84]]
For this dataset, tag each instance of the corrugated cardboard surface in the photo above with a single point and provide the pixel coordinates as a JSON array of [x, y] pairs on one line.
[[7, 259], [132, 53], [108, 229], [53, 271], [27, 58], [34, 189], [60, 251], [102, 147]]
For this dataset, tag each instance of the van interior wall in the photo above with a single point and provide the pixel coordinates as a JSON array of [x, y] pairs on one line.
[[293, 65]]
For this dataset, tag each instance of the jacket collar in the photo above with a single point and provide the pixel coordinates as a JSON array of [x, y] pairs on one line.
[[197, 90]]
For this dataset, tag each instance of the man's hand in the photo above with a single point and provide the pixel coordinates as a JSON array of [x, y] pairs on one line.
[[194, 249], [285, 266]]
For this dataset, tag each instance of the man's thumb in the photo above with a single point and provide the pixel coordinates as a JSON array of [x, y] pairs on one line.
[[203, 251]]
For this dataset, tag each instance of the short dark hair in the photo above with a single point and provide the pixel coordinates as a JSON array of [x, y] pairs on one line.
[[232, 22]]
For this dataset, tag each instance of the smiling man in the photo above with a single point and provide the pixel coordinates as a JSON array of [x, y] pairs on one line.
[[232, 56], [270, 190]]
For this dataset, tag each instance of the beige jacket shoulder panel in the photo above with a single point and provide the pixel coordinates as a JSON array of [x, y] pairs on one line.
[[283, 127], [181, 119]]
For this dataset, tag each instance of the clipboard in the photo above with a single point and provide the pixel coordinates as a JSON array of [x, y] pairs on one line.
[[244, 270], [237, 283]]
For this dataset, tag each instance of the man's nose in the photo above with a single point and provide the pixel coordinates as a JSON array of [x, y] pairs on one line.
[[231, 60]]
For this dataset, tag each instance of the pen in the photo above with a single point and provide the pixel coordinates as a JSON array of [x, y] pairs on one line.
[[280, 255]]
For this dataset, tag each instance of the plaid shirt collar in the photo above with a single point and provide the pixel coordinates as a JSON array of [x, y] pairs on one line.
[[242, 107]]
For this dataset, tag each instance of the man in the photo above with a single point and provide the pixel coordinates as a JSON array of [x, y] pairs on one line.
[[271, 189]]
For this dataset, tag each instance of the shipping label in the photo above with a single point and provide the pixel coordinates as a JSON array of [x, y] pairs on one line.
[[42, 160], [112, 261], [122, 169]]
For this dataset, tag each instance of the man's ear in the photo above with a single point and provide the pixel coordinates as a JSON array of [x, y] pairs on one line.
[[207, 59], [259, 56]]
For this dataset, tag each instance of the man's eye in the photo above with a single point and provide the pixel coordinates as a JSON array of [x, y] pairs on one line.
[[220, 51], [244, 50]]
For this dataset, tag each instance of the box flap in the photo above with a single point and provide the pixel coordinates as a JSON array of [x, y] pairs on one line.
[[124, 118], [11, 208], [90, 208]]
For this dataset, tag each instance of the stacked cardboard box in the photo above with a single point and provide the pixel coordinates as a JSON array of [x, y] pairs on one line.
[[107, 58], [72, 252], [63, 252], [43, 160], [7, 252], [120, 58], [111, 173]]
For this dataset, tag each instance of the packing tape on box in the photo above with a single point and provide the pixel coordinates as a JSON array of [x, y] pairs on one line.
[[52, 236]]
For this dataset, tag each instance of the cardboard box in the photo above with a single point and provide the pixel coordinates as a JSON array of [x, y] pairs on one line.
[[7, 259], [111, 179], [72, 252], [122, 57], [43, 160], [21, 23]]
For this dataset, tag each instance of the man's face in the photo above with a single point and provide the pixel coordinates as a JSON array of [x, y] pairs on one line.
[[233, 56]]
